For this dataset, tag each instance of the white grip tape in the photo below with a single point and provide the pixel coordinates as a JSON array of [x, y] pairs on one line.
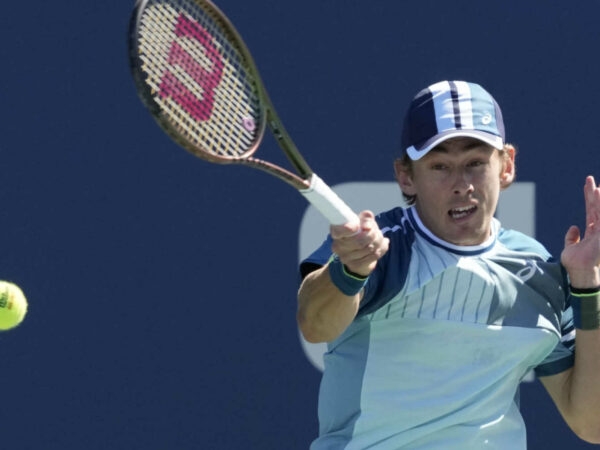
[[328, 203]]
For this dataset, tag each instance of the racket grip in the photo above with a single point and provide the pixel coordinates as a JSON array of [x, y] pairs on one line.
[[328, 203]]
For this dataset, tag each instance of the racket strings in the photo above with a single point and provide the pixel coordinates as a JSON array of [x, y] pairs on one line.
[[199, 79]]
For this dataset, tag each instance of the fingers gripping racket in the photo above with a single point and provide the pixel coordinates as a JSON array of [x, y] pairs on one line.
[[196, 76]]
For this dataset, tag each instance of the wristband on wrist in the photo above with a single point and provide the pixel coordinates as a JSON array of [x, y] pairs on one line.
[[584, 292], [347, 282], [586, 307]]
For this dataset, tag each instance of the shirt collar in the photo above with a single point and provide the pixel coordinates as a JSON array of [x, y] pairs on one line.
[[418, 225]]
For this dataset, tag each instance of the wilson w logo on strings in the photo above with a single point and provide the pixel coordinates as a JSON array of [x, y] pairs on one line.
[[198, 107]]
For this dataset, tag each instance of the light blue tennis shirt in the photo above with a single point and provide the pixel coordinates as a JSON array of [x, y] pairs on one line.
[[443, 338]]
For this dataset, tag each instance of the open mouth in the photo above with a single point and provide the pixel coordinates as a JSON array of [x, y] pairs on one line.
[[459, 213]]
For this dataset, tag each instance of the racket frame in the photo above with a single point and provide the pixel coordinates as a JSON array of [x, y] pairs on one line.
[[305, 181]]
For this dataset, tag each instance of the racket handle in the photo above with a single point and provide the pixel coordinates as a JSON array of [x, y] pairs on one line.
[[328, 203]]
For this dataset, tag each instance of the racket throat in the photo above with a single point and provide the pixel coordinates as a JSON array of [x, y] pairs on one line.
[[290, 150]]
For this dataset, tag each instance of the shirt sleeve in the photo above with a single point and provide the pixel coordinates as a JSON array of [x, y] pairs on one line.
[[316, 259], [563, 355]]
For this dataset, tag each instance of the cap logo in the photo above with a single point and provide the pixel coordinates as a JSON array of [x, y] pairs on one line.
[[486, 119]]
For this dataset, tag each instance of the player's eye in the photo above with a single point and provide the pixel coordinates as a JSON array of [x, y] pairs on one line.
[[439, 166]]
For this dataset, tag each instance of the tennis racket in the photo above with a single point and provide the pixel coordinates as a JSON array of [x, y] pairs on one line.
[[194, 73]]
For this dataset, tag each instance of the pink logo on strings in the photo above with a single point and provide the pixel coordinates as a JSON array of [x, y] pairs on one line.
[[199, 108], [248, 123]]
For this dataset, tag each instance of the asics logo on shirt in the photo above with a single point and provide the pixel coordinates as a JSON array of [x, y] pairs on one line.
[[527, 272]]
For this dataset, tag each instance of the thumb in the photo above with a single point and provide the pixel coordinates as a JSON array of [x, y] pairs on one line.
[[367, 220], [572, 236]]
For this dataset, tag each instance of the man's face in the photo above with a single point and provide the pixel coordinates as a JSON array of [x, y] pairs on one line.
[[457, 185]]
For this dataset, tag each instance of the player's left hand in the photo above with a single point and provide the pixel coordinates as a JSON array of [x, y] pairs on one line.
[[581, 256]]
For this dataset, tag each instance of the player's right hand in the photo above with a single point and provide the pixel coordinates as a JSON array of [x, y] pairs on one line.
[[359, 246]]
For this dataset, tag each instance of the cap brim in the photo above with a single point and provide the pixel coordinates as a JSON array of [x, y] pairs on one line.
[[417, 153]]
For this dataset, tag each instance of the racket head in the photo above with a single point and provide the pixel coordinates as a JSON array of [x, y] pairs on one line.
[[195, 75]]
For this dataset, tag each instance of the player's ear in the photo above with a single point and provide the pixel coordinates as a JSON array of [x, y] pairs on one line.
[[508, 173], [404, 176]]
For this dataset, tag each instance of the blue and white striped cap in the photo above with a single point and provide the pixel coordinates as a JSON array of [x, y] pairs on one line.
[[450, 109]]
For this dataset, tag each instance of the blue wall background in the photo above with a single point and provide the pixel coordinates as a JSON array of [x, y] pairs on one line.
[[162, 288]]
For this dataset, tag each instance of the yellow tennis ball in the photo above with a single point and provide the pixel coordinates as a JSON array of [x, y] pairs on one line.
[[13, 305]]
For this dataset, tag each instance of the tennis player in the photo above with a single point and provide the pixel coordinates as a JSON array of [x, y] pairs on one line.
[[434, 313]]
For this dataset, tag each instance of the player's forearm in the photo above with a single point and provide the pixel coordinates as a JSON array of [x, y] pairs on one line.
[[324, 312], [584, 387], [580, 397]]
